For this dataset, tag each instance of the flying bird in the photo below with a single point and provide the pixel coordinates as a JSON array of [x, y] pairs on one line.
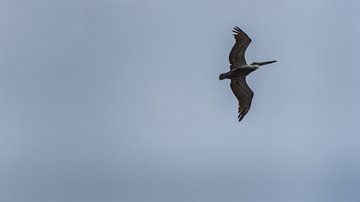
[[239, 69]]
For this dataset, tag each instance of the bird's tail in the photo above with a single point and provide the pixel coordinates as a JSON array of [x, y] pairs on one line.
[[226, 75]]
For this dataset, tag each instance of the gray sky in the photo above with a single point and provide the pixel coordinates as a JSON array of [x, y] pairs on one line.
[[120, 101]]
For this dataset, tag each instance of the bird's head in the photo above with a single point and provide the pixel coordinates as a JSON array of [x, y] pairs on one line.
[[254, 65]]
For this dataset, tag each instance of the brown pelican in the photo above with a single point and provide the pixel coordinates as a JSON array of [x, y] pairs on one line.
[[239, 69]]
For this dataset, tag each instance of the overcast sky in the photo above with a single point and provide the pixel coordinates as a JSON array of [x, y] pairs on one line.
[[119, 100]]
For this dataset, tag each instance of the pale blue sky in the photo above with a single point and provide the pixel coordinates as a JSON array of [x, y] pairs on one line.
[[120, 101]]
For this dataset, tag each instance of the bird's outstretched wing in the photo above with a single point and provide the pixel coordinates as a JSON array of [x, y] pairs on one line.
[[237, 53], [244, 95]]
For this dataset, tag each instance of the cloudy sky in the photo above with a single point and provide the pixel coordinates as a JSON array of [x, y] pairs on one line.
[[119, 100]]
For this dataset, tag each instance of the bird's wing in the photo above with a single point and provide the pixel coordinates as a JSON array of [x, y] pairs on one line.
[[244, 95], [237, 53]]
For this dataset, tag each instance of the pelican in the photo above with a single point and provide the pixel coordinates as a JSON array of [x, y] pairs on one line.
[[239, 69]]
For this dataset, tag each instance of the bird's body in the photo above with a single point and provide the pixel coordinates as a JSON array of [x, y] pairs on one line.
[[239, 69], [238, 72]]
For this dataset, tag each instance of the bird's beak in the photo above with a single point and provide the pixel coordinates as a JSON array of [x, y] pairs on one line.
[[266, 63]]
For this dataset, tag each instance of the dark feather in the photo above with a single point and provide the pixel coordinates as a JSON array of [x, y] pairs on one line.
[[244, 95], [237, 53]]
